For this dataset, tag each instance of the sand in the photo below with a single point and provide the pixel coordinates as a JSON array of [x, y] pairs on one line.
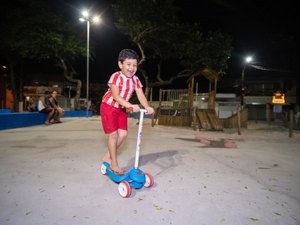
[[51, 175]]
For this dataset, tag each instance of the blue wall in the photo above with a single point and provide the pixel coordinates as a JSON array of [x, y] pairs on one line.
[[10, 120]]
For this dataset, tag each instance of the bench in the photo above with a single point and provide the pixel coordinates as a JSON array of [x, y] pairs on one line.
[[9, 120]]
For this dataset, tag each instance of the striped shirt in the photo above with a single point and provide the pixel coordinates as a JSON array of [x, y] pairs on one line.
[[126, 88]]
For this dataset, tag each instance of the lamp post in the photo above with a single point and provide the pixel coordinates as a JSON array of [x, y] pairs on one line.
[[86, 18], [247, 61]]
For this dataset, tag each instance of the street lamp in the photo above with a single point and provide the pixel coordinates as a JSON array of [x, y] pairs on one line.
[[86, 18], [247, 61]]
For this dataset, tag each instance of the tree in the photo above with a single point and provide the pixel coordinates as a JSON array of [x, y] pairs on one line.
[[33, 30], [162, 38], [63, 47]]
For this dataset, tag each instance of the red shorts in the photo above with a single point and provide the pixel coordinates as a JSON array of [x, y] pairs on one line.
[[113, 118]]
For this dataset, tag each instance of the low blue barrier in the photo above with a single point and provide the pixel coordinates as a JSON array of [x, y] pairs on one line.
[[78, 114], [5, 111], [21, 119], [24, 119]]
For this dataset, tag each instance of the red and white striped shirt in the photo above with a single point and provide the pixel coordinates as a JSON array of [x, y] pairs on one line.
[[126, 87]]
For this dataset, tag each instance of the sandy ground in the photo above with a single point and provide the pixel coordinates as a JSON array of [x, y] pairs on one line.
[[50, 175]]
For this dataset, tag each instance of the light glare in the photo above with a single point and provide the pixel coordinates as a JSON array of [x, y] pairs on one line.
[[248, 59], [96, 19], [85, 13]]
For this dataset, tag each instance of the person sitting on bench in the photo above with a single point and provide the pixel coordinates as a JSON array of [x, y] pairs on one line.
[[43, 106], [54, 104]]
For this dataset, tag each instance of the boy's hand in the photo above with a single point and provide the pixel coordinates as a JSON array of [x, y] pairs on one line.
[[134, 108], [150, 110]]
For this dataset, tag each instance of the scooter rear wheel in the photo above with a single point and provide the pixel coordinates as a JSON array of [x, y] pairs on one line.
[[149, 180], [103, 169], [124, 189]]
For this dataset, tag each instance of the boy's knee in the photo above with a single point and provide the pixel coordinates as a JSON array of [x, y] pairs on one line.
[[123, 135], [113, 135]]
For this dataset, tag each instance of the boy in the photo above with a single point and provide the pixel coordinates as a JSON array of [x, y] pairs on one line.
[[121, 84]]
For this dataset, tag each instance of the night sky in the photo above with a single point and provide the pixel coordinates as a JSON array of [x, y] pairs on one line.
[[267, 30], [262, 29]]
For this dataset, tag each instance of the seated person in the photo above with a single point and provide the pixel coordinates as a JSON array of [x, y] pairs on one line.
[[54, 104], [44, 107], [30, 106]]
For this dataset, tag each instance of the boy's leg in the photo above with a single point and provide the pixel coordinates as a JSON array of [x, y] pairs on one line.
[[114, 122], [112, 148], [122, 134]]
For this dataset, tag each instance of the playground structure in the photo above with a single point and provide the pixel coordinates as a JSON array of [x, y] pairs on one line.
[[176, 110], [183, 107]]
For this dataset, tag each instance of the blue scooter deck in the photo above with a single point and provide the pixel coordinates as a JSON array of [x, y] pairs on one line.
[[135, 177]]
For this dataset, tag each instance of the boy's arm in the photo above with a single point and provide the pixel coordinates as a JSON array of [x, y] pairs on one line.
[[143, 100]]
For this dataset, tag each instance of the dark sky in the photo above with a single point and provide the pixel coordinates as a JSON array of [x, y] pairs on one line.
[[256, 26], [265, 29], [260, 28]]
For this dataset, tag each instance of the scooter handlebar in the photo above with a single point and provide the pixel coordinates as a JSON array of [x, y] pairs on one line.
[[141, 110]]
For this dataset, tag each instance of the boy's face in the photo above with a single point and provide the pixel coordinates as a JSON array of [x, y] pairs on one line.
[[128, 67]]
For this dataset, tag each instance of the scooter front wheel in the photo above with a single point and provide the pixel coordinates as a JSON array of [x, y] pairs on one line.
[[149, 180], [124, 189]]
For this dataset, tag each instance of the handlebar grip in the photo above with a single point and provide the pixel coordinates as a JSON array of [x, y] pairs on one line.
[[131, 109]]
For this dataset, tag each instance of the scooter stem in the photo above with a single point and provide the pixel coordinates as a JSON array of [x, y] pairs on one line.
[[139, 138]]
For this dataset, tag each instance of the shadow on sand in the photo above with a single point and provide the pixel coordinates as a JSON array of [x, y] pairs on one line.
[[163, 160]]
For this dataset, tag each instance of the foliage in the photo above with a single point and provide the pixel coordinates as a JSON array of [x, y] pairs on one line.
[[32, 29], [161, 38]]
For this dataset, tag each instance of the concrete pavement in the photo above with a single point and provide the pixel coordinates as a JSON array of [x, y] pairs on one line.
[[50, 175]]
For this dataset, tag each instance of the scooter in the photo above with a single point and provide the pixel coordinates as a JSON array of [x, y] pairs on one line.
[[135, 178]]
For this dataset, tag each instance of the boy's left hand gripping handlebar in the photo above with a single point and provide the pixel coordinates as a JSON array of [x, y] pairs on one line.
[[131, 109]]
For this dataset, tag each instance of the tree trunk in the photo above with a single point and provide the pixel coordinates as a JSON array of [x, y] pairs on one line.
[[147, 87], [147, 92], [69, 76]]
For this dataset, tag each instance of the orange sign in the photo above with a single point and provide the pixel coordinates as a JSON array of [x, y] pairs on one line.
[[278, 98]]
